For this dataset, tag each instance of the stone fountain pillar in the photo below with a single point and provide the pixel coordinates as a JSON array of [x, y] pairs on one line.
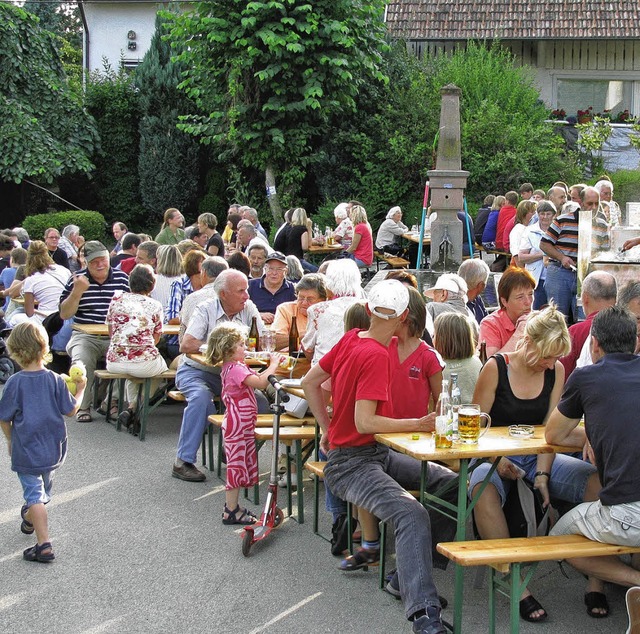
[[447, 184]]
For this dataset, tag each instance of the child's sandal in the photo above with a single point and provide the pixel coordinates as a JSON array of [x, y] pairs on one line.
[[26, 527], [245, 518], [35, 553]]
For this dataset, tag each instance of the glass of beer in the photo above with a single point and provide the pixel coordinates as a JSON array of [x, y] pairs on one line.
[[469, 416]]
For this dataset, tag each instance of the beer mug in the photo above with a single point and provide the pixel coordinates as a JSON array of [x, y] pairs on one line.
[[469, 416]]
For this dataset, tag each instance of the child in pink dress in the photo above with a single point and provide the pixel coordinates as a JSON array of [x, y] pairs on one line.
[[227, 344]]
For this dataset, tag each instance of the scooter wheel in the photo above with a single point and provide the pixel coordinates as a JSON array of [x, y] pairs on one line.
[[278, 517], [247, 542]]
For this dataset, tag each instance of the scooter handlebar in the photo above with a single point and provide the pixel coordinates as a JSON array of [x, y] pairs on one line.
[[277, 386]]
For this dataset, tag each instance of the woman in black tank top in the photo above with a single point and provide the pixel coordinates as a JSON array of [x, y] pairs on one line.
[[522, 387]]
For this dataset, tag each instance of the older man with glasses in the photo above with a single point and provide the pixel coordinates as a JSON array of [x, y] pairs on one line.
[[272, 289], [52, 240]]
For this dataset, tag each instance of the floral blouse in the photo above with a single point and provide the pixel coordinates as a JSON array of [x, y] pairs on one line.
[[134, 320]]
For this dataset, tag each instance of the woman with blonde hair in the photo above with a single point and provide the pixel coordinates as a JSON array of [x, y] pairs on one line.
[[43, 285], [297, 238], [361, 249], [171, 231], [523, 387], [168, 270]]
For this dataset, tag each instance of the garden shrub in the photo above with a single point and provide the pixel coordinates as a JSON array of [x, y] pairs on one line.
[[92, 223]]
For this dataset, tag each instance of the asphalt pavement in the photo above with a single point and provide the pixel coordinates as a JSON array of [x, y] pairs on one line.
[[140, 551]]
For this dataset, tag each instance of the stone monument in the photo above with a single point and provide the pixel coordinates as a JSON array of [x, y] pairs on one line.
[[447, 184]]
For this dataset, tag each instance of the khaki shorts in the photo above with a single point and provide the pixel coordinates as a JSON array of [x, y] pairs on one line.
[[618, 524]]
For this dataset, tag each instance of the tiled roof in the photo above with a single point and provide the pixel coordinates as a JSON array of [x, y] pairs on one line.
[[513, 19]]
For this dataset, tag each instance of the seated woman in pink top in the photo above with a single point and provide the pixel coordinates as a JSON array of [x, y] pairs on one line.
[[503, 329], [361, 249], [416, 368]]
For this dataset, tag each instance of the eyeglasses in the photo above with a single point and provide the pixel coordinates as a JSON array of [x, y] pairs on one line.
[[275, 269], [53, 237]]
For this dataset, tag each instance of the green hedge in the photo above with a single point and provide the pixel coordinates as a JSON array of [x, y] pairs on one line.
[[92, 224]]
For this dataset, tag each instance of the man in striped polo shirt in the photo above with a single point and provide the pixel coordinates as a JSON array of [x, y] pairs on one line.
[[561, 244], [86, 298]]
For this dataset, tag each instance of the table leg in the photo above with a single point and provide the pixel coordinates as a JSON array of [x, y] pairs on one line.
[[460, 535]]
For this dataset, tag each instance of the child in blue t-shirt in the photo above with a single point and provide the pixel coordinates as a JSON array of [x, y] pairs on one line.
[[32, 410]]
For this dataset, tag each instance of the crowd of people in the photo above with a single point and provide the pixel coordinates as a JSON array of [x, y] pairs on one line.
[[372, 362]]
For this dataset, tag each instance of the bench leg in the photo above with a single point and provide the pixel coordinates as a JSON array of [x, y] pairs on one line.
[[299, 478], [144, 407]]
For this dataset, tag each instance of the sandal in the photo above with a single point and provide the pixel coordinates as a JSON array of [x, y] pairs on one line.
[[26, 527], [246, 517], [596, 600], [360, 559], [84, 416], [35, 553], [528, 606]]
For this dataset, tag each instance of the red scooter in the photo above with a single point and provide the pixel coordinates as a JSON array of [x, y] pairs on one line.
[[272, 515]]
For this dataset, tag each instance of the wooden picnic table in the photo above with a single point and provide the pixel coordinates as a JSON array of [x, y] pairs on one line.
[[495, 442]]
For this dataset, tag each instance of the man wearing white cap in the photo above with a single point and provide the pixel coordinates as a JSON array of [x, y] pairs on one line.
[[370, 475], [449, 294]]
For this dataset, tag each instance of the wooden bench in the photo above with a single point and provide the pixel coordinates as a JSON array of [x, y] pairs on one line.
[[316, 469], [394, 261], [506, 556], [146, 405]]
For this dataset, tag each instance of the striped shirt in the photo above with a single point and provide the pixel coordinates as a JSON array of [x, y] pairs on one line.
[[563, 235], [94, 303], [180, 288]]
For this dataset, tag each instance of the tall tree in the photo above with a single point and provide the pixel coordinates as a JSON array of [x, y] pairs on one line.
[[113, 100], [168, 160], [44, 130], [272, 74]]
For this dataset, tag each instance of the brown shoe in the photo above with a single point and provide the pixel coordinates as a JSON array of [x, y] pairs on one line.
[[188, 472]]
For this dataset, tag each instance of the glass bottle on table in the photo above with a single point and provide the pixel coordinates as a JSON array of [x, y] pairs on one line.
[[294, 336], [443, 429], [253, 339], [483, 352], [456, 400]]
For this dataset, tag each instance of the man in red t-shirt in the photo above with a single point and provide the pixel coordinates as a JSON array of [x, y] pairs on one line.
[[507, 213], [369, 475]]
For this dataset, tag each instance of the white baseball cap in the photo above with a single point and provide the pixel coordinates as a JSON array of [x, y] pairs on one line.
[[390, 294]]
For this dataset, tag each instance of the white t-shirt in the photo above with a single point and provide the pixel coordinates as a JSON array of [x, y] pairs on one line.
[[47, 287]]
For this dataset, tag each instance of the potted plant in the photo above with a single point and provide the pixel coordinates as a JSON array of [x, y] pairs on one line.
[[585, 116]]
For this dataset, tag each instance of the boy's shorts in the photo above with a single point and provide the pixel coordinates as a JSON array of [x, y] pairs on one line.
[[36, 488]]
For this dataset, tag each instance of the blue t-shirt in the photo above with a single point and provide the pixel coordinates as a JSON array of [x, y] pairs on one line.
[[489, 233], [6, 279], [35, 403]]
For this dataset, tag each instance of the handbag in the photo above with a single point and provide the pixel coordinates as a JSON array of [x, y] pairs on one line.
[[52, 324]]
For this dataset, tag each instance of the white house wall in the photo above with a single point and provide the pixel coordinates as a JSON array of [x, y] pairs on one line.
[[109, 23]]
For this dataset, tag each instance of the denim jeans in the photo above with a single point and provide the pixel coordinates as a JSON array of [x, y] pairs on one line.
[[540, 296], [562, 288], [199, 387], [333, 504], [376, 479]]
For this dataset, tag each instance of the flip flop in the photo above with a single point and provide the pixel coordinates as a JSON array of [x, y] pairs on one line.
[[84, 416], [632, 599], [594, 600]]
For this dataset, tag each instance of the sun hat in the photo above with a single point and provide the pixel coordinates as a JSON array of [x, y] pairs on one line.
[[390, 294], [445, 282], [340, 211]]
